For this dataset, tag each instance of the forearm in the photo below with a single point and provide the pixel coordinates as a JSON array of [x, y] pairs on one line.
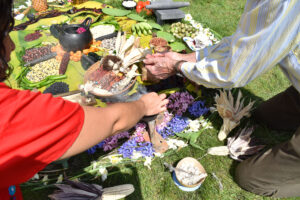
[[127, 115], [101, 123]]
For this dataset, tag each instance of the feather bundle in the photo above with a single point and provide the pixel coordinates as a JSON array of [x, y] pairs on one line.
[[84, 191], [238, 147], [231, 112], [127, 54]]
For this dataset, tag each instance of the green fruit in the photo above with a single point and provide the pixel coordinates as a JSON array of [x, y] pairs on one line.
[[139, 32], [145, 32], [133, 28], [149, 32]]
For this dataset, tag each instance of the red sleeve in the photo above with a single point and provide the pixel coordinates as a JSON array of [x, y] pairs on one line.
[[35, 130]]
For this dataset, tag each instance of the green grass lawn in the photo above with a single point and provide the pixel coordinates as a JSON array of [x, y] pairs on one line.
[[157, 184]]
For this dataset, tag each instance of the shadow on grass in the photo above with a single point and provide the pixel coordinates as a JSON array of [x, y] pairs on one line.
[[128, 175]]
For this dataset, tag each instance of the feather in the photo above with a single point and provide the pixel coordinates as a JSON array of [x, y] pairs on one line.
[[231, 112], [118, 43], [77, 191], [239, 147], [122, 44], [127, 44]]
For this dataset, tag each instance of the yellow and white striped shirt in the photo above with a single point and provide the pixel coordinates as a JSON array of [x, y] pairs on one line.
[[268, 34]]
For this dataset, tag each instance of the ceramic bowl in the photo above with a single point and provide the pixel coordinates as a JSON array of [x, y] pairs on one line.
[[129, 7], [197, 164]]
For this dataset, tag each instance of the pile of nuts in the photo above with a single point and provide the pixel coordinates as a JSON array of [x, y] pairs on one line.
[[35, 53], [41, 70]]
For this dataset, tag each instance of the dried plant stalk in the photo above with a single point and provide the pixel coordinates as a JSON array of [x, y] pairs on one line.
[[238, 147], [231, 112]]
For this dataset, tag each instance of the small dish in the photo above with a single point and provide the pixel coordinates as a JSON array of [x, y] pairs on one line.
[[129, 4], [196, 164]]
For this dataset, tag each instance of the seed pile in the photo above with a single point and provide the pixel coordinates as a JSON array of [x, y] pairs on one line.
[[57, 88], [41, 70], [35, 53], [33, 36], [180, 30], [109, 43], [192, 176], [102, 30]]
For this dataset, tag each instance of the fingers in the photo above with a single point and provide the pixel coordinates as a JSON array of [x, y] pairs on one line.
[[154, 55], [164, 105], [162, 96], [149, 61]]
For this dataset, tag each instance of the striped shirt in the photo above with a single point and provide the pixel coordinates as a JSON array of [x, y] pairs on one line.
[[268, 34]]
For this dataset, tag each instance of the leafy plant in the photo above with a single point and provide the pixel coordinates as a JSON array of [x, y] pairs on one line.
[[167, 36], [136, 17], [177, 46], [115, 12], [155, 25]]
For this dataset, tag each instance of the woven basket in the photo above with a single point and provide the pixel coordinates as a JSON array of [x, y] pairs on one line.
[[39, 5]]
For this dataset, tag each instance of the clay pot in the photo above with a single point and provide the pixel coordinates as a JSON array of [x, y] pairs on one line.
[[71, 40]]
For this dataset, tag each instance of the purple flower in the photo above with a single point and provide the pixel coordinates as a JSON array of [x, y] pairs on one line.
[[146, 149], [167, 118], [126, 151], [140, 127], [179, 102], [93, 149], [198, 108], [127, 148], [176, 125], [109, 143]]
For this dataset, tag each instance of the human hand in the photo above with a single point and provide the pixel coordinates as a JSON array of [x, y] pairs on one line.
[[154, 103], [175, 56], [160, 66]]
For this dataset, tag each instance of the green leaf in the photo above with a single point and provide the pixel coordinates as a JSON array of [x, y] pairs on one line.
[[167, 36], [177, 46], [115, 12], [155, 25], [184, 135], [136, 17]]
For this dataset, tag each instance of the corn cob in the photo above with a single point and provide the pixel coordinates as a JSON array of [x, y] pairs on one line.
[[64, 63]]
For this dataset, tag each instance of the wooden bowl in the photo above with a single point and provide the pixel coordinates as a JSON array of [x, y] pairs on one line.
[[197, 164], [119, 96]]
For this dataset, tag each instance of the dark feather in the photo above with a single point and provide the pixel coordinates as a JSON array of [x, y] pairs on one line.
[[77, 191]]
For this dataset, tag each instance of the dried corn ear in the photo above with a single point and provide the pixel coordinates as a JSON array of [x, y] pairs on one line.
[[64, 63]]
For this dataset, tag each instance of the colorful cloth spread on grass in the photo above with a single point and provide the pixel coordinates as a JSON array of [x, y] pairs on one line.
[[75, 72], [268, 34]]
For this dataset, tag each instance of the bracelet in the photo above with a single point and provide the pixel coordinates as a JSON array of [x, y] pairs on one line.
[[177, 66]]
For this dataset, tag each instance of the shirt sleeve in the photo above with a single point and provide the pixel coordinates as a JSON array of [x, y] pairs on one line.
[[35, 130], [267, 32]]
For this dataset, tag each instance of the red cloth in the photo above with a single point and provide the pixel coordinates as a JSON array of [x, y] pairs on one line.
[[35, 130]]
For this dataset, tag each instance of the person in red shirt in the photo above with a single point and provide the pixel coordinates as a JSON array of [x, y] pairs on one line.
[[37, 129]]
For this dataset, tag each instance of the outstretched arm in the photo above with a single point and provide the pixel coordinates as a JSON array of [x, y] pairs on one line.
[[267, 32], [100, 123]]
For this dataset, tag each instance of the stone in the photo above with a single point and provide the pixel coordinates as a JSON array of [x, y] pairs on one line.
[[168, 15]]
